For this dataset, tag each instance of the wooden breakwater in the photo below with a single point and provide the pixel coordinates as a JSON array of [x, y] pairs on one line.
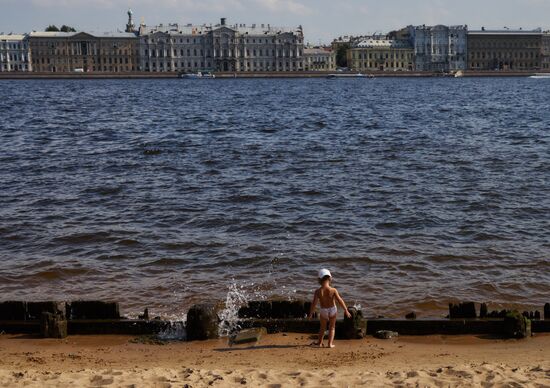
[[59, 319]]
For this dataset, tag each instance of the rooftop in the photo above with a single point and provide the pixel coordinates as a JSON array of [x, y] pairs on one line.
[[190, 29], [383, 42], [537, 31], [50, 34], [12, 37]]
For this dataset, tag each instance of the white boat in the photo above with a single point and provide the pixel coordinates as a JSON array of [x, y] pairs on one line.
[[459, 74], [198, 75], [541, 75]]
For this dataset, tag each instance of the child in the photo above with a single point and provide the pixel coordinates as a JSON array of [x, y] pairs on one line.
[[327, 297]]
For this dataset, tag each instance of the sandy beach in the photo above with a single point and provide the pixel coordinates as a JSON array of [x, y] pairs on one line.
[[279, 360]]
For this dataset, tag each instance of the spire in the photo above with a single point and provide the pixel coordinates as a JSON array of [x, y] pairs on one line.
[[130, 27]]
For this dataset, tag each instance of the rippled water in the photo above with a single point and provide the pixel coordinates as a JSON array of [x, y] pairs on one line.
[[162, 193]]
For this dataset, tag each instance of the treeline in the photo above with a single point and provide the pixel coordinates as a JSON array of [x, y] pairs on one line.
[[64, 28]]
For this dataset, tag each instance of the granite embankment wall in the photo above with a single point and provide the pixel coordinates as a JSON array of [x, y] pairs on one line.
[[148, 75]]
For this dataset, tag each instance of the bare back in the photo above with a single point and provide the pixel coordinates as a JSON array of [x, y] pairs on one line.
[[327, 297]]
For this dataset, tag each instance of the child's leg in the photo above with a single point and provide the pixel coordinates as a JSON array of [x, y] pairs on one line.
[[331, 331], [322, 331]]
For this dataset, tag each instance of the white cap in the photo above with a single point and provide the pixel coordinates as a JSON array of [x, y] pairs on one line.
[[324, 272]]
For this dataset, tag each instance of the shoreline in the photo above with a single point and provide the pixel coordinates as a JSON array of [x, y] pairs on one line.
[[264, 75], [281, 359]]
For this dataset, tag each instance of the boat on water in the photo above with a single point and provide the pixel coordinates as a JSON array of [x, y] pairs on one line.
[[541, 75], [459, 74], [198, 75], [350, 75]]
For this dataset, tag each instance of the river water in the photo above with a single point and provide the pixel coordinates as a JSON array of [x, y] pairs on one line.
[[163, 193]]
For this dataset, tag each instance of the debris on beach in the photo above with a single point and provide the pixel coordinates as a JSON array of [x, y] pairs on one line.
[[248, 336], [386, 334]]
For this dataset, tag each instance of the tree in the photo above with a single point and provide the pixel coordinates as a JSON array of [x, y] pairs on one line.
[[52, 28], [341, 55], [65, 28]]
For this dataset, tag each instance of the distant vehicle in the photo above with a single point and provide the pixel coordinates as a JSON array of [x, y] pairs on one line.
[[79, 70], [198, 75]]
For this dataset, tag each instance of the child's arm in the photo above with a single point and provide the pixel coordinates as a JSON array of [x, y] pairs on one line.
[[342, 303], [313, 305]]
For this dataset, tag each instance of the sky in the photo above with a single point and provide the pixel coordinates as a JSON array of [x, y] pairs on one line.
[[322, 20]]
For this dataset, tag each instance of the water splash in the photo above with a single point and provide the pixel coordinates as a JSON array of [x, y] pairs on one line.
[[237, 296], [174, 332]]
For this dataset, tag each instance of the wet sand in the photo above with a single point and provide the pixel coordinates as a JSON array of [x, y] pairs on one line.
[[277, 361]]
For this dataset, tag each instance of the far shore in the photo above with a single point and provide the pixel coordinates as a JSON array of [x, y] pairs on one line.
[[230, 75], [279, 360]]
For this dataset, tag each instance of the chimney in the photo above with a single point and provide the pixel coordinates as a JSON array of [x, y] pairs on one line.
[[223, 21]]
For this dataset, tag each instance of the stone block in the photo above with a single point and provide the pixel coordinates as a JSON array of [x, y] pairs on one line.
[[516, 325], [203, 322], [13, 311], [352, 328], [35, 309], [465, 310], [93, 310], [411, 315], [260, 309], [53, 325], [483, 310]]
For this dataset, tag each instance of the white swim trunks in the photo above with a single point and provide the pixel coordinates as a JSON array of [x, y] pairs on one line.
[[328, 313]]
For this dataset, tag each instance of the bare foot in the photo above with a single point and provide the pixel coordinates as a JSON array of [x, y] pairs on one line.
[[332, 346]]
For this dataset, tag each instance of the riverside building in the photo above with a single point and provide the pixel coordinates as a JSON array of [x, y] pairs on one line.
[[380, 53], [319, 59], [14, 53], [83, 52], [545, 51], [439, 48], [222, 47], [505, 49]]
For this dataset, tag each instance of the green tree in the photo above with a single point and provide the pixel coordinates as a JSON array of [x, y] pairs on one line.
[[52, 28], [341, 55], [65, 28]]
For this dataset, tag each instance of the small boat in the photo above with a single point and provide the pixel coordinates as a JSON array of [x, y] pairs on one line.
[[198, 75], [459, 74], [540, 75]]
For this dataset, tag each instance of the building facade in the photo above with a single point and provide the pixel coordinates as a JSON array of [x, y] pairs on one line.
[[380, 53], [237, 48], [319, 59], [545, 51], [14, 53], [83, 52], [505, 50], [439, 48]]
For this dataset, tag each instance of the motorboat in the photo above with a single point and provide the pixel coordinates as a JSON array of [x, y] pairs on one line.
[[198, 75], [541, 75]]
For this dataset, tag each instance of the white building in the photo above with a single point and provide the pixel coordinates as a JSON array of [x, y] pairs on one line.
[[14, 53], [256, 48], [319, 59], [440, 48]]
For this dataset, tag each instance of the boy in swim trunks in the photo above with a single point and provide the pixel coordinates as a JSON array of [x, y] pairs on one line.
[[327, 297]]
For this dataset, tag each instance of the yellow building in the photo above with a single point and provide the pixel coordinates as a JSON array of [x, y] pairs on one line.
[[381, 54], [83, 52], [319, 59]]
